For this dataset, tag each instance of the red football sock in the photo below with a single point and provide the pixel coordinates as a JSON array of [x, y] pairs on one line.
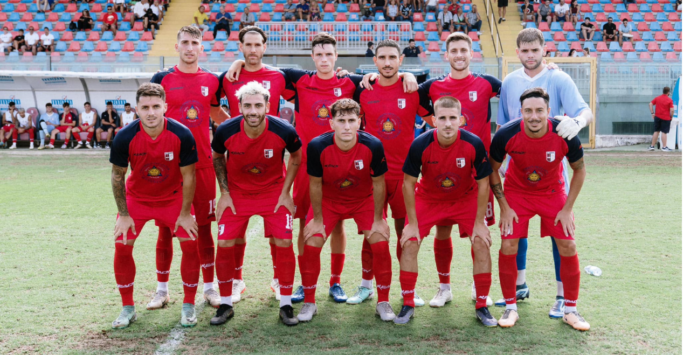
[[337, 265], [225, 269], [239, 259], [164, 253], [507, 273], [189, 268], [89, 136], [443, 253], [273, 258], [31, 134], [125, 270], [408, 281], [398, 249], [207, 252], [570, 275], [76, 136], [14, 136], [367, 262], [286, 269], [482, 283], [52, 141], [310, 269], [382, 269]]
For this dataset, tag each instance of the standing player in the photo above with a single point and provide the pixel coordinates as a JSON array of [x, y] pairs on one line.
[[315, 92], [453, 190], [87, 121], [191, 93], [22, 125], [254, 181], [253, 46], [346, 180], [565, 99], [388, 113], [162, 153], [534, 185], [474, 91]]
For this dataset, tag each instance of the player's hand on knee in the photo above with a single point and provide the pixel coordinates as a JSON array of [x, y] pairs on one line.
[[365, 83], [313, 228], [506, 221], [567, 221], [481, 232], [286, 201], [189, 225], [225, 201], [381, 227], [410, 231], [124, 225]]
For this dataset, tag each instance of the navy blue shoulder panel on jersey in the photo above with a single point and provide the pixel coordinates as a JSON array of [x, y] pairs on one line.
[[413, 162]]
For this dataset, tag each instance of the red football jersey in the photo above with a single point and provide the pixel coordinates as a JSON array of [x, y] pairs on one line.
[[448, 174], [155, 175], [272, 80], [474, 92], [389, 114], [314, 96], [69, 117], [189, 98], [663, 104], [535, 164], [346, 175], [256, 165]]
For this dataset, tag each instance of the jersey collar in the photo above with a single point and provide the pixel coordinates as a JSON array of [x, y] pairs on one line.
[[549, 129], [528, 78], [260, 135], [439, 143]]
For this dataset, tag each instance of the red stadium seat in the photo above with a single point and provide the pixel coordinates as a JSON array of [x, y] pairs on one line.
[[653, 47], [544, 27], [74, 47], [649, 17], [559, 37], [659, 37], [474, 37], [636, 37], [138, 57], [101, 46], [354, 27], [94, 36], [20, 8], [433, 47], [418, 37], [673, 17], [642, 27], [10, 27], [265, 17], [128, 17], [229, 8], [601, 47], [53, 17], [645, 57], [212, 17], [633, 8], [238, 17], [208, 36], [146, 37], [667, 26], [329, 8], [657, 8], [120, 36], [619, 57], [550, 47], [276, 28], [354, 8], [576, 46], [678, 46], [254, 8], [234, 36], [27, 17], [218, 47], [617, 2], [417, 17], [229, 57], [67, 36], [625, 16], [444, 36], [431, 27], [671, 57], [55, 57], [27, 57], [328, 27], [207, 8], [302, 27], [71, 8], [568, 27], [279, 8], [628, 47], [609, 8], [585, 8], [3, 16], [138, 26], [601, 17], [341, 17], [477, 57], [127, 47], [405, 27]]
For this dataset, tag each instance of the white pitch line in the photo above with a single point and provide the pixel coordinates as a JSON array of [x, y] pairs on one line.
[[176, 335]]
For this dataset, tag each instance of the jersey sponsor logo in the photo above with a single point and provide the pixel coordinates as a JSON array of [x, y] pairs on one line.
[[155, 173], [460, 162], [534, 174], [169, 156], [550, 156], [254, 168], [388, 126], [447, 182], [347, 183], [266, 84], [359, 164], [330, 166], [337, 92], [321, 113], [268, 153], [401, 103], [473, 96], [204, 90]]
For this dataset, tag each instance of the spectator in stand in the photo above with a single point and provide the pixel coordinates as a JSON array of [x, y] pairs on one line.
[[23, 124], [157, 9], [314, 12], [19, 43], [47, 123], [87, 122], [368, 16], [364, 5], [85, 22], [430, 6], [544, 13], [460, 22], [47, 41], [201, 19], [418, 5], [454, 7], [587, 30], [562, 12], [290, 12], [411, 51], [109, 20], [110, 122], [67, 122], [7, 123], [44, 5], [121, 7], [572, 53], [629, 2], [575, 15], [625, 32], [151, 21], [393, 11], [247, 19], [303, 10], [224, 21], [679, 5], [585, 53], [32, 41], [474, 21], [6, 40], [445, 21], [662, 118], [407, 11], [139, 11], [610, 31], [527, 13], [502, 6], [378, 6], [370, 50]]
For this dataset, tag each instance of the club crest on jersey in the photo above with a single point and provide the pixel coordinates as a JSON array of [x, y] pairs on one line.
[[169, 156], [359, 164], [401, 103], [550, 156], [460, 162], [447, 182], [192, 114], [268, 153], [204, 90], [337, 92], [267, 85], [154, 172], [473, 96]]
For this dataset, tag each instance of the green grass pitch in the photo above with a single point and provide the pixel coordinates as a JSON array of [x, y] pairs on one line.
[[58, 293]]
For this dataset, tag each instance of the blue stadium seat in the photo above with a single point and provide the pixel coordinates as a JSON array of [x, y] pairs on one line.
[[556, 27], [637, 17], [658, 57], [647, 36], [143, 47], [125, 27], [430, 17], [669, 8], [8, 8], [654, 27], [215, 57], [572, 37], [84, 6], [265, 8], [614, 17], [231, 47], [620, 8], [46, 24], [281, 1], [476, 47], [342, 8], [615, 47], [590, 46], [60, 46], [354, 17], [236, 26], [673, 37], [433, 36], [114, 47], [33, 8], [133, 36], [26, 1], [257, 1], [80, 36], [563, 47], [222, 36], [98, 26], [123, 57], [55, 34], [216, 7], [65, 17], [644, 8], [328, 17], [87, 47], [596, 8], [379, 17], [435, 57], [240, 7], [652, 2], [41, 54], [13, 57], [14, 17], [606, 57], [605, 2], [666, 47], [661, 17], [277, 16], [639, 47], [548, 37], [59, 8], [96, 57], [418, 27], [107, 36], [530, 25], [422, 46], [68, 57], [207, 46]]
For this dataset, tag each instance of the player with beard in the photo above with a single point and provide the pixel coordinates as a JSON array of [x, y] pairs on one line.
[[315, 92], [191, 98], [565, 99]]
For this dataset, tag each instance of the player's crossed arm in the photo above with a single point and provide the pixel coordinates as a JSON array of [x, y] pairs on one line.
[[124, 223]]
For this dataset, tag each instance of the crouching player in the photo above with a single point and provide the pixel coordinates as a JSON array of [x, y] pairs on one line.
[[534, 185], [162, 154], [346, 170], [455, 180], [253, 181]]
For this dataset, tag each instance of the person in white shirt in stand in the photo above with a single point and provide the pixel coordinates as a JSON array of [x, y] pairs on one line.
[[5, 39], [430, 6], [22, 124], [139, 11], [87, 121], [47, 41], [127, 117], [32, 39], [121, 6], [562, 11]]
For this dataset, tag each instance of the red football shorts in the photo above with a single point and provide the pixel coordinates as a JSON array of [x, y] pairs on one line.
[[333, 212], [546, 207], [276, 224], [64, 129], [395, 199], [163, 213], [7, 127], [462, 213], [205, 196], [83, 128], [300, 190]]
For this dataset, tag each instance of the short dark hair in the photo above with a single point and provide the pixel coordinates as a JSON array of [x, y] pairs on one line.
[[625, 20], [109, 103], [411, 40], [344, 107], [65, 104], [253, 29], [535, 93], [369, 44], [529, 35], [151, 89], [667, 90], [128, 105], [587, 18], [323, 39], [49, 105], [387, 43], [610, 18], [11, 104], [224, 105], [87, 103]]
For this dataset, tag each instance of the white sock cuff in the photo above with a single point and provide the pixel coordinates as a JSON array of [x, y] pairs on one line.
[[208, 286], [285, 300], [162, 286], [511, 306], [444, 286], [367, 283], [226, 300]]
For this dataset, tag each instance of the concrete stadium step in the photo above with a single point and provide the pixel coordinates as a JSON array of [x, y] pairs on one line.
[[180, 13], [509, 29]]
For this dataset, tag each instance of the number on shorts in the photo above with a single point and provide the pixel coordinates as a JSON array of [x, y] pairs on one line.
[[489, 211], [221, 229], [212, 206], [289, 222]]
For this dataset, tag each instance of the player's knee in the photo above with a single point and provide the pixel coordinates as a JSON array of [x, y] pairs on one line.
[[376, 238], [566, 247], [282, 243], [509, 246], [410, 248], [480, 248], [316, 242], [226, 243]]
